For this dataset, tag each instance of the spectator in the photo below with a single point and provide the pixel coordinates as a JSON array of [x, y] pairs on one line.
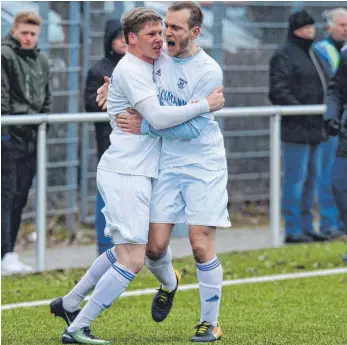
[[25, 90], [115, 48], [336, 124], [328, 50], [296, 78]]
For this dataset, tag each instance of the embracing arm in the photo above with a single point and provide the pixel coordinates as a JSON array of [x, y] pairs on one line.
[[188, 130]]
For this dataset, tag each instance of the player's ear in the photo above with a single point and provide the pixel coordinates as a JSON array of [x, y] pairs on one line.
[[132, 38], [194, 32]]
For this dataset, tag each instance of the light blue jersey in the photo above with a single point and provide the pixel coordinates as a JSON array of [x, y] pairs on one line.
[[183, 81]]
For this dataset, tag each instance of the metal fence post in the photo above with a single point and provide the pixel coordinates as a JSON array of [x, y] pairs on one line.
[[44, 39], [275, 179], [41, 197], [74, 33], [85, 126], [217, 53]]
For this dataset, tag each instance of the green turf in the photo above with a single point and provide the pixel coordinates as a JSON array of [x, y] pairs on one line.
[[309, 311], [235, 265]]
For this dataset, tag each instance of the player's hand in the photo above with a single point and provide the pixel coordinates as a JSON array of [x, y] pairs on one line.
[[101, 93], [129, 122], [216, 99]]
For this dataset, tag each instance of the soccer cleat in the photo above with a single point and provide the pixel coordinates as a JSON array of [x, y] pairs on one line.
[[206, 333], [163, 300], [82, 336], [57, 309]]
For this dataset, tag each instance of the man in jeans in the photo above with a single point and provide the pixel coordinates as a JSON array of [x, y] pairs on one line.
[[328, 51], [25, 90], [296, 78], [336, 123]]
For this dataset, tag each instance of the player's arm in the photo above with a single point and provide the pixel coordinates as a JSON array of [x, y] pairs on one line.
[[139, 91], [188, 130]]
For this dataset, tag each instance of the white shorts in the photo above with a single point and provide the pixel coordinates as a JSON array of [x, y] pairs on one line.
[[127, 201], [190, 194]]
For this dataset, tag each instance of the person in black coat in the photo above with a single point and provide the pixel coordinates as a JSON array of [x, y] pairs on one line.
[[115, 48], [335, 120], [297, 78]]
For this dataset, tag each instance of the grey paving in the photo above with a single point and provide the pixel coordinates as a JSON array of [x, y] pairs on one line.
[[83, 256]]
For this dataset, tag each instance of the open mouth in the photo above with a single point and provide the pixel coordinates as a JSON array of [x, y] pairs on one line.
[[171, 43]]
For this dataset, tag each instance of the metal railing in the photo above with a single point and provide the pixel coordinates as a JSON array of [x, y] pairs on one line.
[[274, 112]]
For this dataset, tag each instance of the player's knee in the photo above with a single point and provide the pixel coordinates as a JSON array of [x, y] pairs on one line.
[[155, 253], [200, 252], [137, 264]]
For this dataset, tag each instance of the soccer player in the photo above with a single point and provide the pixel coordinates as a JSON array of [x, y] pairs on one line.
[[193, 172], [125, 174]]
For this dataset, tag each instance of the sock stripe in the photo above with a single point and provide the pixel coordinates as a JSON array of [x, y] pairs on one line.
[[125, 273], [208, 267], [110, 256]]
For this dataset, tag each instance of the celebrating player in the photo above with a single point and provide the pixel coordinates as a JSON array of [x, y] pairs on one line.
[[193, 173], [125, 174]]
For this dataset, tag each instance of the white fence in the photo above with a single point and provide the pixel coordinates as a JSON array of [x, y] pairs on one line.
[[274, 112]]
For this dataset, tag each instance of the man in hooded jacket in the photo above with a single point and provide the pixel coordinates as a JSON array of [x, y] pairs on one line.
[[114, 48], [297, 78], [25, 89]]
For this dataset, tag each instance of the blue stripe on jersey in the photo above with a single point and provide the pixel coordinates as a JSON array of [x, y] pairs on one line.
[[110, 256], [125, 273], [208, 267]]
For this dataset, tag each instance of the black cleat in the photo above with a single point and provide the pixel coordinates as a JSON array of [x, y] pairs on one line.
[[206, 333], [163, 300], [57, 309]]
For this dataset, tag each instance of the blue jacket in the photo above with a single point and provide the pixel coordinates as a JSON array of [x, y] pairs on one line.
[[329, 53]]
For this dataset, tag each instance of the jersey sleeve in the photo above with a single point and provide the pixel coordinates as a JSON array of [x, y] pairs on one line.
[[210, 81], [187, 130]]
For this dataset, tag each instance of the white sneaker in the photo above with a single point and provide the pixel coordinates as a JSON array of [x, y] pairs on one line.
[[10, 264]]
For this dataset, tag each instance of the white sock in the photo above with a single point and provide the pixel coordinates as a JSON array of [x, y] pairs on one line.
[[111, 285], [73, 299], [210, 277], [163, 270]]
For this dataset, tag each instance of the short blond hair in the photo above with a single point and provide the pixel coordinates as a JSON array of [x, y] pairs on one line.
[[27, 18], [134, 20]]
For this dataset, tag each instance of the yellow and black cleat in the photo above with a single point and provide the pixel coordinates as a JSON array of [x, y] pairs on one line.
[[206, 333], [163, 300]]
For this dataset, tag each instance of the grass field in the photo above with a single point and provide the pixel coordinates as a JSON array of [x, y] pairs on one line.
[[301, 311]]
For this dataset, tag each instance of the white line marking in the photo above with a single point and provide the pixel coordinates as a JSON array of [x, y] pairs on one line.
[[251, 280]]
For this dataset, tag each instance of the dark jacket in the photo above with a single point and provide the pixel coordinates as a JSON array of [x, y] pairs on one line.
[[25, 89], [95, 79], [297, 78], [337, 103]]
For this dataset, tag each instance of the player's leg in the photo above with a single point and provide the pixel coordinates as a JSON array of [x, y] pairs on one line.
[[111, 285], [159, 262], [67, 307], [205, 195], [166, 209], [127, 201], [210, 278]]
